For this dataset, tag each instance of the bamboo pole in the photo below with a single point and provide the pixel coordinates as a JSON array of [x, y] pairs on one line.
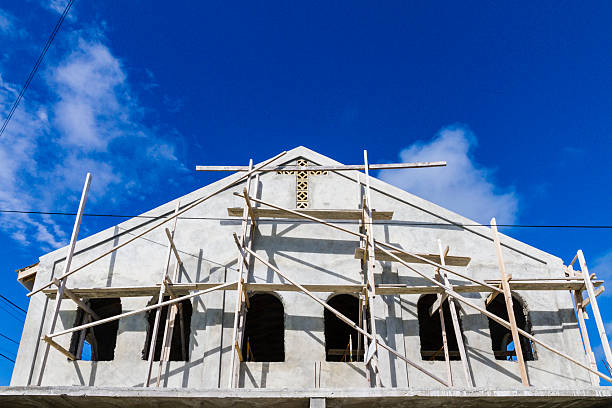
[[509, 306], [327, 168], [340, 316], [595, 307], [67, 263], [455, 319], [184, 210]]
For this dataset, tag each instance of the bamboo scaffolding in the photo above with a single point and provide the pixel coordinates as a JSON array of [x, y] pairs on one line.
[[62, 280], [451, 292], [340, 316]]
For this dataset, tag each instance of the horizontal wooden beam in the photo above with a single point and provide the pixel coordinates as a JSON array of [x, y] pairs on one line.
[[598, 292], [322, 214], [383, 289], [449, 260], [327, 168]]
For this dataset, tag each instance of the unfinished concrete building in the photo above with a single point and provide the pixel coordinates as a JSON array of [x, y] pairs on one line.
[[303, 281]]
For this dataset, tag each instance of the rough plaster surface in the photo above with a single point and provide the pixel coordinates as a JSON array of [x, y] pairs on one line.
[[310, 253]]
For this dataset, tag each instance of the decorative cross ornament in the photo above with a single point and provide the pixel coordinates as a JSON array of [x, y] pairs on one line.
[[301, 182]]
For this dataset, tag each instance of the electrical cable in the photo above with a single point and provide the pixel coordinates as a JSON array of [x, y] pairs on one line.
[[13, 304], [412, 224], [36, 66]]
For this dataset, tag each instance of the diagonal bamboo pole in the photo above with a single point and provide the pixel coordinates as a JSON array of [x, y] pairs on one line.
[[340, 316], [62, 280], [184, 210]]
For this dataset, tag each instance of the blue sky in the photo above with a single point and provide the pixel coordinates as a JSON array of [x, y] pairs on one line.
[[515, 98]]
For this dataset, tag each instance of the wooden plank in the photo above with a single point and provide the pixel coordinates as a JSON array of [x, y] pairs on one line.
[[383, 289], [62, 286], [250, 207], [595, 308], [450, 260], [509, 306], [322, 214], [327, 168]]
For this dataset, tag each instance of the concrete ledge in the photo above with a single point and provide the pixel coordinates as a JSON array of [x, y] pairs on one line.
[[90, 397]]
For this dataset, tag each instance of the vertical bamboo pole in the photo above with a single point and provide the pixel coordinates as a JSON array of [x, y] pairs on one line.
[[68, 262], [162, 289], [595, 307], [509, 307], [239, 294], [449, 371]]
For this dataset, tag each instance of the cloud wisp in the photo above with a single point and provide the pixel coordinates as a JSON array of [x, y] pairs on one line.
[[90, 119], [462, 186]]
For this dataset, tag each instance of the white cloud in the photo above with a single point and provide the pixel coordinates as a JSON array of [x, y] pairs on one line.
[[6, 22], [92, 121], [462, 186]]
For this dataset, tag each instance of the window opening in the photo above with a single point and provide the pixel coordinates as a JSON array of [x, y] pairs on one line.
[[501, 337], [430, 330], [341, 340], [264, 331], [179, 346], [97, 343]]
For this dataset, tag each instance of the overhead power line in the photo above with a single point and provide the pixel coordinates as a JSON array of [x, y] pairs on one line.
[[11, 303], [8, 358], [9, 339], [36, 66], [382, 222]]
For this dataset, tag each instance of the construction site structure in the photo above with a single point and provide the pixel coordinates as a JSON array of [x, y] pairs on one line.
[[300, 281]]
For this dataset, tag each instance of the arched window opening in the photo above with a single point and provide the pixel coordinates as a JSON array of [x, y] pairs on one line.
[[501, 337], [430, 330], [179, 346], [264, 331], [341, 340], [97, 343]]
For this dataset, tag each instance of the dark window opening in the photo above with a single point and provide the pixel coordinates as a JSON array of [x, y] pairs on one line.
[[179, 346], [340, 338], [501, 338], [97, 343], [430, 330], [264, 331]]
